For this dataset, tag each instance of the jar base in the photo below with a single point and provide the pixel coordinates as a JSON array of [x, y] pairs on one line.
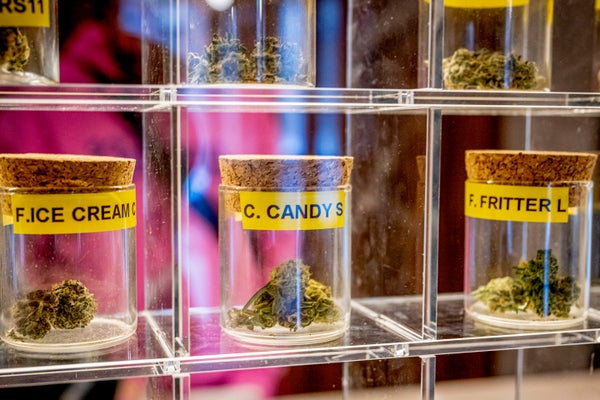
[[252, 85], [101, 333], [520, 321], [280, 336], [24, 78]]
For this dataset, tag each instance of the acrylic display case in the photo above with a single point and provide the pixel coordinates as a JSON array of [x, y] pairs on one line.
[[407, 200]]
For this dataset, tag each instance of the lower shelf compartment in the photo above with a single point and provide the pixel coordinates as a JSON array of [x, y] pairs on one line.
[[146, 353], [386, 327], [456, 332]]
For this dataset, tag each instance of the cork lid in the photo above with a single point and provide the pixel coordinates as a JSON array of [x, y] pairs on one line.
[[64, 170], [533, 167], [277, 171]]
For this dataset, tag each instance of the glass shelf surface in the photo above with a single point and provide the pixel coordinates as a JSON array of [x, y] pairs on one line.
[[96, 97], [381, 328], [508, 102], [269, 98], [384, 101]]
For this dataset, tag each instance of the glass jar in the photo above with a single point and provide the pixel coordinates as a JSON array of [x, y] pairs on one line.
[[494, 44], [68, 260], [527, 238], [250, 41], [29, 51], [284, 225]]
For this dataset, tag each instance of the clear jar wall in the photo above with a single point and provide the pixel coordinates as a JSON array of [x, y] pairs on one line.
[[248, 257], [495, 273], [596, 49], [249, 41], [103, 261], [510, 41], [38, 27]]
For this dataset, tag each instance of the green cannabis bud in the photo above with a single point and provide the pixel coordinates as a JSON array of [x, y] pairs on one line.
[[14, 49], [66, 305], [484, 69], [536, 286], [32, 316], [224, 60], [291, 298], [498, 295], [276, 62], [75, 306]]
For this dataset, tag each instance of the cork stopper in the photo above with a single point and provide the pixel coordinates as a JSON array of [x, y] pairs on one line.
[[529, 167], [282, 173], [64, 170], [535, 168]]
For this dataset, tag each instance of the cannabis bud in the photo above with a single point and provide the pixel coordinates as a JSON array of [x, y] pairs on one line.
[[14, 49], [75, 307], [66, 305], [536, 286], [226, 60], [484, 69], [291, 298], [275, 62], [33, 314]]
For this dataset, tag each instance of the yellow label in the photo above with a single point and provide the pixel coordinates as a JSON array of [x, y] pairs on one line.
[[516, 203], [484, 3], [293, 210], [73, 213], [25, 13]]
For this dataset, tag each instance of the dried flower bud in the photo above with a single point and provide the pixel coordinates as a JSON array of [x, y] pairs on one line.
[[75, 307], [484, 69], [226, 60], [291, 299], [67, 305], [14, 49], [536, 287], [32, 315]]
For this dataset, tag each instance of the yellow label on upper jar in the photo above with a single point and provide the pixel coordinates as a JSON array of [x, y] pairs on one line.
[[485, 3], [516, 203], [293, 210], [73, 213], [21, 13]]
